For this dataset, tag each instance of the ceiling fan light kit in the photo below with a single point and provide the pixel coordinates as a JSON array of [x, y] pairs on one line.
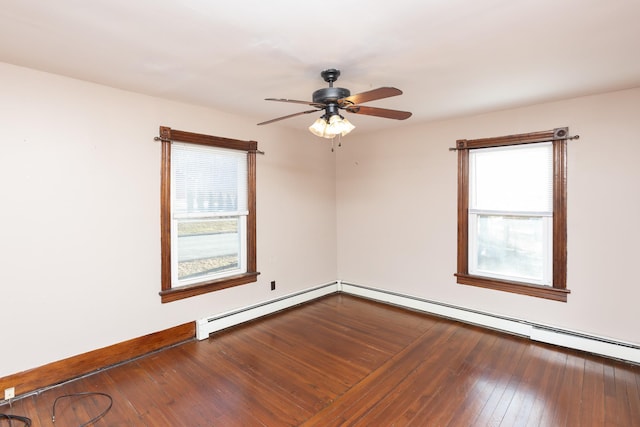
[[333, 99], [334, 126]]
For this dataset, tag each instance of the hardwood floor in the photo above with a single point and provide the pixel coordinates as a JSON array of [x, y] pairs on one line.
[[342, 360]]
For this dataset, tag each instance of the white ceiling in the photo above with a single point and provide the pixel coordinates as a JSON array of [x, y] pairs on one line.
[[450, 57]]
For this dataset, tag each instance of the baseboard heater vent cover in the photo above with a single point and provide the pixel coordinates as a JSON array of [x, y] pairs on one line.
[[207, 325]]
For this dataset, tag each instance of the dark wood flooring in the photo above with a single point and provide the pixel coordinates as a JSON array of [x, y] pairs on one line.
[[343, 360]]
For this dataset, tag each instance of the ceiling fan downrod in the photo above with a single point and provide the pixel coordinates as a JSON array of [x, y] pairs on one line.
[[330, 75]]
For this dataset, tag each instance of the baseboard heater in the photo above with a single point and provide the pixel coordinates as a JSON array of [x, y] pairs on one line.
[[543, 333], [589, 343], [206, 326]]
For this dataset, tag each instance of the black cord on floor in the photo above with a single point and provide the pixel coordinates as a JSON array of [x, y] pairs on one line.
[[25, 420], [89, 393]]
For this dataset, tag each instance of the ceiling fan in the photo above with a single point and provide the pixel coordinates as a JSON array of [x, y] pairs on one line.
[[333, 99]]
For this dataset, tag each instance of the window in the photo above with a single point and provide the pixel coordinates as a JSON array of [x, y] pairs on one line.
[[512, 213], [208, 221]]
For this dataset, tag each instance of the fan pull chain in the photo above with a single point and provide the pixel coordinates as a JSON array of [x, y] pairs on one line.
[[333, 142]]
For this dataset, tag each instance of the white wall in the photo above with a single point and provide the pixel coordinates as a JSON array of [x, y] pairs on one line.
[[397, 201], [80, 239]]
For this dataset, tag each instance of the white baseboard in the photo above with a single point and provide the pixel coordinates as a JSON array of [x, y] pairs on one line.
[[431, 307], [206, 326], [589, 343], [537, 332]]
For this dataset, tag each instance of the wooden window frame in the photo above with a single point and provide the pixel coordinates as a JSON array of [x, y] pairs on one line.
[[558, 290], [169, 293]]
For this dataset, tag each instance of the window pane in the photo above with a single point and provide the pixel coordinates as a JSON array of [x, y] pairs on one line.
[[510, 246], [518, 178], [208, 247]]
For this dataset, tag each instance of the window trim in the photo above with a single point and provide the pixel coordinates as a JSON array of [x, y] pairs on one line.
[[167, 293], [558, 290]]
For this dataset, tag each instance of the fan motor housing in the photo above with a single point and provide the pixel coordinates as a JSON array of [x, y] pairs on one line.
[[330, 94]]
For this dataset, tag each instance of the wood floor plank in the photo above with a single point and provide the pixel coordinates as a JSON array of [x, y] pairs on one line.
[[316, 357], [496, 403], [221, 389], [617, 408], [265, 403], [484, 379], [170, 373], [521, 395], [382, 338], [133, 384], [565, 409], [268, 374], [626, 378], [593, 410], [375, 346], [343, 360], [395, 322], [461, 391], [304, 384], [575, 389], [548, 383], [430, 385], [359, 359], [363, 395]]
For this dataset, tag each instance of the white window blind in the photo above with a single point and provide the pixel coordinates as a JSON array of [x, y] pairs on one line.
[[208, 181], [514, 179]]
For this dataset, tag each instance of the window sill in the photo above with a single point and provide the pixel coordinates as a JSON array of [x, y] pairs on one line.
[[514, 287], [182, 292]]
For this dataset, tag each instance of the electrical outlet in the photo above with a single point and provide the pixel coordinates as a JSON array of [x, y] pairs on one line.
[[9, 393], [273, 285]]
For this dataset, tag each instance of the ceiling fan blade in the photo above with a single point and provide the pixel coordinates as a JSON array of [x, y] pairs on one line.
[[287, 117], [371, 95], [295, 101], [379, 112]]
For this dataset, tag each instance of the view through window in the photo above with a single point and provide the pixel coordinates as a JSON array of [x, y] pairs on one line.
[[207, 213], [512, 213]]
